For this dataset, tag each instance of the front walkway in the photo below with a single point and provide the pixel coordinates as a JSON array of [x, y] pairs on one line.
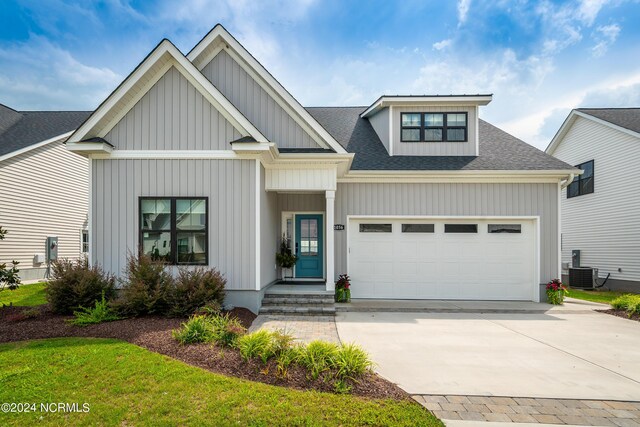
[[303, 328]]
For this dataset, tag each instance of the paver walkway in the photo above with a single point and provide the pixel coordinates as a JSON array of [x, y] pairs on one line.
[[303, 328], [527, 410]]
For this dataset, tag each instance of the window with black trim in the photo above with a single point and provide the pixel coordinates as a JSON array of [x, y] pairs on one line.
[[376, 228], [418, 228], [175, 229], [461, 228], [433, 127], [582, 184], [85, 241], [504, 228]]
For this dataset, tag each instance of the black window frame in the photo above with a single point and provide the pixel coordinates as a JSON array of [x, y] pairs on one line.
[[445, 127], [173, 232], [579, 179]]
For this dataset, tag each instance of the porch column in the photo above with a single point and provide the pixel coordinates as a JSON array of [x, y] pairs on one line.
[[329, 214]]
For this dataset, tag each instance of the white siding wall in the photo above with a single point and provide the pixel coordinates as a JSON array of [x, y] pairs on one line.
[[44, 192], [173, 115], [255, 103], [380, 123], [269, 233], [229, 185], [435, 148], [454, 200], [604, 225]]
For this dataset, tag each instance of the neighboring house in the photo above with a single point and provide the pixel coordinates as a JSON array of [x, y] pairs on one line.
[[206, 159], [601, 208], [43, 188]]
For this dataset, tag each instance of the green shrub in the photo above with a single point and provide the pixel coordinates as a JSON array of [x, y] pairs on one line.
[[195, 330], [226, 330], [74, 284], [286, 357], [257, 344], [194, 289], [630, 303], [147, 288], [101, 312], [213, 308], [351, 361], [318, 357]]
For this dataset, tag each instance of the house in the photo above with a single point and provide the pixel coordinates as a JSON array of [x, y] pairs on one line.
[[43, 188], [600, 208], [205, 159]]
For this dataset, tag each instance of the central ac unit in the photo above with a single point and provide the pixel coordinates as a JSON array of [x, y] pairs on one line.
[[583, 277]]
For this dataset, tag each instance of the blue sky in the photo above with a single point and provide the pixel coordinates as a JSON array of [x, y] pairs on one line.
[[540, 59]]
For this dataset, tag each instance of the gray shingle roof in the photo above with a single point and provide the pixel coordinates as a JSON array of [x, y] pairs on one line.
[[20, 129], [628, 118], [498, 149]]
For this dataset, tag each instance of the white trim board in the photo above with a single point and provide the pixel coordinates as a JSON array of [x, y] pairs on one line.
[[34, 146]]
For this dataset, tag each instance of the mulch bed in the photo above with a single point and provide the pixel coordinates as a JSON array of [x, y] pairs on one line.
[[621, 313], [154, 333]]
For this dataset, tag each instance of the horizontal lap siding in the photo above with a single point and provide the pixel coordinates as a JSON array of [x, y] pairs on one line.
[[255, 103], [229, 185], [43, 192], [173, 115], [604, 225], [453, 200]]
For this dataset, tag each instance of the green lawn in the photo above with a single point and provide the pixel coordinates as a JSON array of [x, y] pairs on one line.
[[25, 295], [128, 385], [604, 297]]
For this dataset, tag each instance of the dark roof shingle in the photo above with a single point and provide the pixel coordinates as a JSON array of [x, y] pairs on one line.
[[498, 149], [628, 118]]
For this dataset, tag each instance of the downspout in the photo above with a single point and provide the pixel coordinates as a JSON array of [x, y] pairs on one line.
[[564, 184]]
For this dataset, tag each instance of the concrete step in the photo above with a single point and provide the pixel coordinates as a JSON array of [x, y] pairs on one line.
[[314, 295], [300, 300], [298, 311]]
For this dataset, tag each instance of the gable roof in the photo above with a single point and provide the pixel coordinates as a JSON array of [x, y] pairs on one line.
[[499, 151], [386, 100], [142, 78], [22, 129], [219, 38], [626, 120]]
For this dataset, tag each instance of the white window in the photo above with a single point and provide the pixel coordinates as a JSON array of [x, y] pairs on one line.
[[85, 241]]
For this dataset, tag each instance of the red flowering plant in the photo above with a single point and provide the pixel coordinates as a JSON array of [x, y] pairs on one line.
[[556, 292], [343, 288]]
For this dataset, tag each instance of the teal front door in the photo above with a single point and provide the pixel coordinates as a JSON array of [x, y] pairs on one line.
[[309, 245]]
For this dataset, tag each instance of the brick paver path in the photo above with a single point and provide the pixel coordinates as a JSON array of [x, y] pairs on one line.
[[303, 328], [529, 410]]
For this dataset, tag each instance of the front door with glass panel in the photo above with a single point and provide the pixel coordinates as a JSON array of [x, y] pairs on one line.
[[309, 245]]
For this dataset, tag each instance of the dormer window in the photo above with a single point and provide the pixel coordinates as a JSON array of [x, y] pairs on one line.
[[433, 127]]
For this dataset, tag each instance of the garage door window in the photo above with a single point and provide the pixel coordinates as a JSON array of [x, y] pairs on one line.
[[505, 228], [375, 228], [417, 228], [461, 228]]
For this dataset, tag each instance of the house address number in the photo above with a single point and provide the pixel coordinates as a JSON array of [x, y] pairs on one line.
[[338, 227]]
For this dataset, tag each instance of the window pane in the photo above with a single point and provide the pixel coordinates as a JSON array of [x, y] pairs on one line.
[[190, 214], [157, 244], [156, 214], [433, 134], [588, 170], [313, 247], [313, 228], [455, 134], [192, 248], [456, 119], [411, 135], [431, 119], [461, 228], [573, 188], [375, 228], [412, 120], [586, 186], [304, 246], [505, 228], [417, 228]]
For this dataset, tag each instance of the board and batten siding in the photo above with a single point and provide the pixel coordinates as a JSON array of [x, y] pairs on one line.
[[173, 115], [434, 148], [255, 103], [604, 225], [44, 193], [269, 232], [453, 200], [229, 185], [380, 123]]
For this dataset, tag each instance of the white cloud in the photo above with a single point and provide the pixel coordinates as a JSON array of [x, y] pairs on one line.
[[463, 11], [588, 10], [443, 44], [605, 36]]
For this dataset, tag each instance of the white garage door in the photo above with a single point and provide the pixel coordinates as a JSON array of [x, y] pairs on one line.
[[442, 259]]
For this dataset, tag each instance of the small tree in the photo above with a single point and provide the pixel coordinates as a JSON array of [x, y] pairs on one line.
[[9, 278]]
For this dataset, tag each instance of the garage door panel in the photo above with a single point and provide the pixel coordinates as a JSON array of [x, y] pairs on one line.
[[413, 265]]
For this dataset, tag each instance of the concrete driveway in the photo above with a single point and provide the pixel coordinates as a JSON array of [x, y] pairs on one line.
[[561, 353]]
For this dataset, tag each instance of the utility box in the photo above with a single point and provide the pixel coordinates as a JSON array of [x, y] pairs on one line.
[[52, 248], [575, 258]]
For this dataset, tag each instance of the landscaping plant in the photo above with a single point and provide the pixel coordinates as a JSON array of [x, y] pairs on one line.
[[101, 312], [284, 258], [258, 344], [629, 303], [75, 284], [194, 289], [318, 357], [197, 329], [226, 329], [556, 292], [343, 289], [9, 278]]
